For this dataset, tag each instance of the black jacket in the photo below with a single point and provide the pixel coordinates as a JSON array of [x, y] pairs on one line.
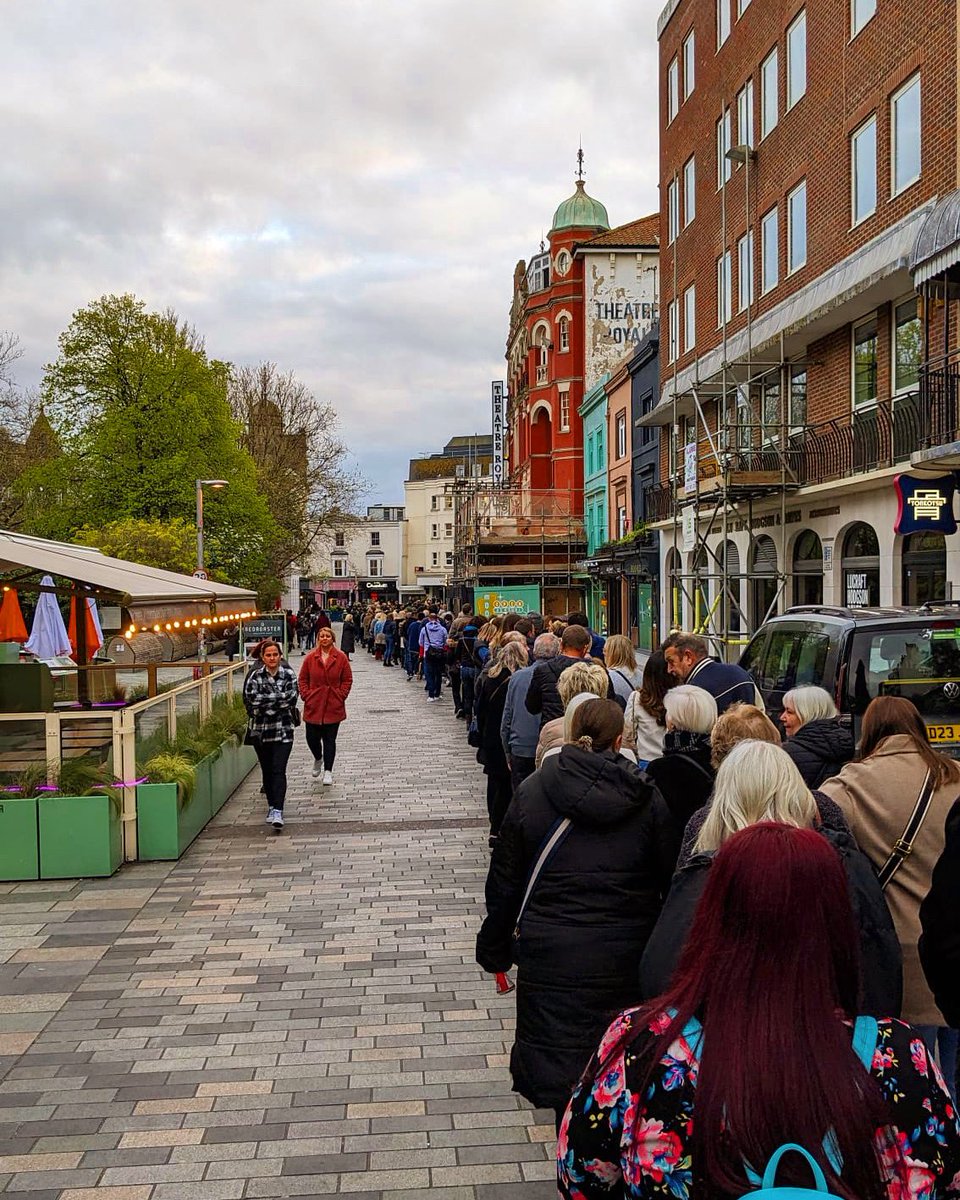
[[685, 779], [882, 984], [490, 701], [542, 695], [819, 749], [589, 915], [940, 919], [348, 637]]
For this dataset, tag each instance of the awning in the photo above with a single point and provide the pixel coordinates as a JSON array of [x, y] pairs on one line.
[[937, 247], [147, 592]]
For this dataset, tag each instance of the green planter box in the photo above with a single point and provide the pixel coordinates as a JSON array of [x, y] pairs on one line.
[[80, 836], [158, 822], [19, 838]]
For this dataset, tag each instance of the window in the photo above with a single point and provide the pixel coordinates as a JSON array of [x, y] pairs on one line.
[[745, 271], [689, 190], [621, 520], [434, 558], [563, 262], [907, 346], [796, 59], [770, 251], [374, 567], [448, 529], [673, 90], [689, 64], [797, 228], [339, 539], [374, 537], [860, 13], [863, 151], [745, 114], [542, 357], [622, 435], [564, 334], [339, 568], [448, 559], [448, 501], [724, 289], [723, 21], [672, 332], [769, 93], [673, 209], [564, 412], [770, 411], [798, 398], [434, 503], [690, 317], [865, 362], [905, 134], [742, 6], [723, 145], [434, 530]]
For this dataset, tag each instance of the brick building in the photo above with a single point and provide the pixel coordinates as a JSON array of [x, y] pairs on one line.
[[806, 164]]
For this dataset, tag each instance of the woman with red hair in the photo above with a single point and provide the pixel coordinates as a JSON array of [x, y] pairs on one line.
[[672, 1108]]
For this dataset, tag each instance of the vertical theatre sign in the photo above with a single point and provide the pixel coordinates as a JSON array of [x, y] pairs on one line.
[[497, 390]]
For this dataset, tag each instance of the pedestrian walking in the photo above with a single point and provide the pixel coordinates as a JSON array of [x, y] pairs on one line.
[[348, 636], [433, 644], [687, 660], [231, 642], [645, 718], [270, 696], [578, 934], [519, 728], [695, 1093], [816, 741], [758, 782], [897, 797], [491, 699], [325, 683]]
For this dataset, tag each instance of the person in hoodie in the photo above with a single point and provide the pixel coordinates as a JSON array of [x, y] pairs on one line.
[[758, 782], [591, 908], [816, 741], [433, 643]]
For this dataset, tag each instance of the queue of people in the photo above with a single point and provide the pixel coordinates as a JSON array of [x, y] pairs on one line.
[[727, 936]]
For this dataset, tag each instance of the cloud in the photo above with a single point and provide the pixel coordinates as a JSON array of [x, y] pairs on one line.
[[342, 188]]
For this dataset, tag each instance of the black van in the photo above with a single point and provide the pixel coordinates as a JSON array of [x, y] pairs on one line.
[[859, 653]]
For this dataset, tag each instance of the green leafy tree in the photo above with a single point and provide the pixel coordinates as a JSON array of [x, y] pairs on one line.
[[142, 413], [170, 545]]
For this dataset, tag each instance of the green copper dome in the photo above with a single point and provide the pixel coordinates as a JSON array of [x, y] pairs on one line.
[[580, 212]]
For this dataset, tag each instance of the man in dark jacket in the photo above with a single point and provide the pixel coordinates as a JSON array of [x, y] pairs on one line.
[[688, 661], [542, 695], [597, 642], [413, 646], [940, 919]]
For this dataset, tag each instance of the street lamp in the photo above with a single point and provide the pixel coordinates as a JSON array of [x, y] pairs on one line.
[[217, 484]]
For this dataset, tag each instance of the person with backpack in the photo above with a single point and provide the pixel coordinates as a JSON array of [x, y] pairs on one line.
[[433, 646], [756, 1068], [467, 663]]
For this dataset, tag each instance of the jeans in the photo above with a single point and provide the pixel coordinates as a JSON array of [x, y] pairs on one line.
[[322, 740], [412, 661], [388, 651], [468, 682], [433, 670], [455, 684], [274, 757], [520, 768], [942, 1039]]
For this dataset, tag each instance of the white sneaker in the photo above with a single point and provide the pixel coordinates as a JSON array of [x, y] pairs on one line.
[[277, 819], [317, 768], [327, 778], [269, 817]]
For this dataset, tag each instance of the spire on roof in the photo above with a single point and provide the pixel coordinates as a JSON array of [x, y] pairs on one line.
[[580, 160]]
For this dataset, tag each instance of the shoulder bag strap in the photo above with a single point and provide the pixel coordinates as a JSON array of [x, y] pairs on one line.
[[625, 678], [548, 847], [903, 846]]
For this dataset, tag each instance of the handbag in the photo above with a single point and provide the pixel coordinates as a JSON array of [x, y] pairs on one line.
[[548, 847], [473, 734], [297, 717], [248, 738], [903, 846]]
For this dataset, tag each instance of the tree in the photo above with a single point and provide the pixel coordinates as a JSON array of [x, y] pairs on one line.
[[291, 436], [142, 413], [169, 544]]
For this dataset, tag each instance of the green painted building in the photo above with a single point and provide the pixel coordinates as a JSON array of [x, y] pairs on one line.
[[593, 411]]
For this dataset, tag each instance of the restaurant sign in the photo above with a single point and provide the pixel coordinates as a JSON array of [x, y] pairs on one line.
[[925, 504]]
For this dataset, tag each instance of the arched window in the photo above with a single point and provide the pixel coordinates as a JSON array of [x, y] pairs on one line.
[[563, 333], [808, 569], [860, 565]]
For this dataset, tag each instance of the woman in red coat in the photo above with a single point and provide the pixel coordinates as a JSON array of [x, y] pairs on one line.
[[325, 683]]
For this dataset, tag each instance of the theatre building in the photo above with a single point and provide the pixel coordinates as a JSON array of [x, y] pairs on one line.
[[810, 236]]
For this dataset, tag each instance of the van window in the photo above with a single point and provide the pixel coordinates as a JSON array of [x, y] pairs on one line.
[[915, 663], [794, 657]]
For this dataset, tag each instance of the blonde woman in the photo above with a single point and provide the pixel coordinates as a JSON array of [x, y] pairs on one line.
[[490, 701], [584, 678], [488, 639], [757, 782], [620, 659]]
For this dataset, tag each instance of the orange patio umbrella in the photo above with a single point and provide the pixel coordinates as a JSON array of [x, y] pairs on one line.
[[12, 626], [94, 636]]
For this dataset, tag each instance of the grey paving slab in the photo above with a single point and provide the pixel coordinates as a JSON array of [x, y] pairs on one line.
[[274, 1016]]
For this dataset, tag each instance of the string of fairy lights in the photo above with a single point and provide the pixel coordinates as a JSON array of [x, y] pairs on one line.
[[186, 625]]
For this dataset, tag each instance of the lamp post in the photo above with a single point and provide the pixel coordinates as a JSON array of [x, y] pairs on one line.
[[201, 484]]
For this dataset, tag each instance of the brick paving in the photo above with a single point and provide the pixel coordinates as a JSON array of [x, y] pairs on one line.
[[272, 1016]]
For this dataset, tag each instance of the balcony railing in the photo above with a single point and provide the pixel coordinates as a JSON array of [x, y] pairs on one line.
[[940, 402]]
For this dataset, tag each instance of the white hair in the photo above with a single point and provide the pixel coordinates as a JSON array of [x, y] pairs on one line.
[[691, 708], [546, 646], [811, 703], [757, 781]]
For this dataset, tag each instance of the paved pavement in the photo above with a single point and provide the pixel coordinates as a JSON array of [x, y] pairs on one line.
[[290, 1015]]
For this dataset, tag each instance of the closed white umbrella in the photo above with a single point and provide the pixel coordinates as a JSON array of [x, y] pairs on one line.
[[48, 638]]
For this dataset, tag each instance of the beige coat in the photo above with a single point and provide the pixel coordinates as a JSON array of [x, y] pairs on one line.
[[877, 797]]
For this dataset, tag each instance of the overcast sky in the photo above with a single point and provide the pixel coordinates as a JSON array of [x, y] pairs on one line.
[[341, 187]]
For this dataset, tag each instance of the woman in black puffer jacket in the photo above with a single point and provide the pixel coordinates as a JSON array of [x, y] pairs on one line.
[[816, 741], [757, 782], [591, 909]]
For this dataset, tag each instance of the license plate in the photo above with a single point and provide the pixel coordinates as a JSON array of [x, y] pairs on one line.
[[939, 734]]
